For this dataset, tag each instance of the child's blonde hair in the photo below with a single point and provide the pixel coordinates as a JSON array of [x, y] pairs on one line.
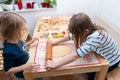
[[10, 23]]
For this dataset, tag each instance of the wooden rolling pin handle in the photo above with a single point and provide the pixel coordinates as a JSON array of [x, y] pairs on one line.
[[48, 51]]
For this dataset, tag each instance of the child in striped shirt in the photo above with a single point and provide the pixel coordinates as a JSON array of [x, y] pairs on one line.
[[87, 37]]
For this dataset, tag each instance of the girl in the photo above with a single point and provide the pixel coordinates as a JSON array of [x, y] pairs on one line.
[[87, 37], [15, 55]]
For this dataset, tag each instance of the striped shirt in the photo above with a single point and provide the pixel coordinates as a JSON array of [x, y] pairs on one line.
[[101, 43]]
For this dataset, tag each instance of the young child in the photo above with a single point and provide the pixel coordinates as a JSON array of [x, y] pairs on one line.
[[15, 55], [87, 37]]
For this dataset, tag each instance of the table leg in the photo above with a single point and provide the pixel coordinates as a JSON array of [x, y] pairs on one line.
[[28, 76], [102, 73]]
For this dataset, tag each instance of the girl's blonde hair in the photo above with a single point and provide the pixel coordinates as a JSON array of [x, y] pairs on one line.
[[10, 23], [77, 26]]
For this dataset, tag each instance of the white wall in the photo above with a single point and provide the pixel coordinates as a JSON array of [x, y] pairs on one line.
[[110, 10], [90, 7], [63, 7]]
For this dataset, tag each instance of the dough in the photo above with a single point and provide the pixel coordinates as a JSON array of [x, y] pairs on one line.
[[60, 50]]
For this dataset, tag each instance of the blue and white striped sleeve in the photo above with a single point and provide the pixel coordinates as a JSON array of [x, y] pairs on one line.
[[89, 45]]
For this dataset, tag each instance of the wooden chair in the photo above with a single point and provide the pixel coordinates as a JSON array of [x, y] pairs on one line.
[[1, 60], [114, 75]]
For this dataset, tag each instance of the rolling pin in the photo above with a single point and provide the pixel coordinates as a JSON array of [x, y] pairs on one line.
[[48, 51]]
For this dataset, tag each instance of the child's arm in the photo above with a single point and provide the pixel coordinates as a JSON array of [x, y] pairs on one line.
[[66, 59], [27, 66], [56, 41], [31, 42]]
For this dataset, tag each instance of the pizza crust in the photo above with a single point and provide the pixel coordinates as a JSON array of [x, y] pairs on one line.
[[60, 50]]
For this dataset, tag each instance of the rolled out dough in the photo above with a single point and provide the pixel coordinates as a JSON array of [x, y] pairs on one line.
[[60, 50]]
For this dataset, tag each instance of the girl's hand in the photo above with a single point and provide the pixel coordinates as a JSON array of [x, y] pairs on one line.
[[49, 65], [32, 41], [31, 66], [27, 66]]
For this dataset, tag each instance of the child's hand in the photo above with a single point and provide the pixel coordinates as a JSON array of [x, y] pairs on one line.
[[49, 65], [32, 41], [31, 66]]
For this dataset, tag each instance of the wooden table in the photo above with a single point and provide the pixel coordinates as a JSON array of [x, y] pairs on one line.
[[100, 69]]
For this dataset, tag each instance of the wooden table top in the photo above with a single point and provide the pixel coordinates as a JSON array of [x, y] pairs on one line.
[[69, 70]]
